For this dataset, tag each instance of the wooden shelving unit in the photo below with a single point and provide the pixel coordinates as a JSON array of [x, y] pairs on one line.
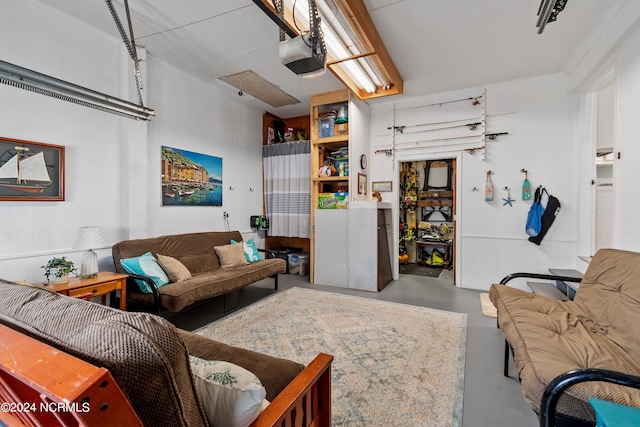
[[320, 149]]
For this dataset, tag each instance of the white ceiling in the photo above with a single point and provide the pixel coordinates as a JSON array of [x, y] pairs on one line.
[[436, 45]]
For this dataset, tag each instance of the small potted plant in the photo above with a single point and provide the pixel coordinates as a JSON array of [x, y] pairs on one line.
[[57, 270]]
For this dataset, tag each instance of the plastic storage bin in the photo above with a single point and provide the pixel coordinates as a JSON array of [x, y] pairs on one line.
[[284, 253], [325, 127], [299, 263]]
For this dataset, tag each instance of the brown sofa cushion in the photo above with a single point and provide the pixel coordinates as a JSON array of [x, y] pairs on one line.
[[144, 353], [194, 250], [551, 337], [177, 296], [610, 295]]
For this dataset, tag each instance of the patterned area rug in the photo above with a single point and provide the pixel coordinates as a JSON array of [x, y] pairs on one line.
[[394, 364]]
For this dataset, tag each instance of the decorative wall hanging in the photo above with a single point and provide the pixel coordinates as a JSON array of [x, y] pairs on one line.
[[508, 200], [526, 186], [488, 188], [190, 179], [382, 186], [31, 171], [362, 183]]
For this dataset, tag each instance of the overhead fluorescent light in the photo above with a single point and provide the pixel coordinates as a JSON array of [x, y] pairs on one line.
[[23, 78], [357, 55]]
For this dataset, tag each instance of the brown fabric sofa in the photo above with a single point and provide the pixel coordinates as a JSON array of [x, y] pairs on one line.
[[196, 252], [147, 356], [598, 330]]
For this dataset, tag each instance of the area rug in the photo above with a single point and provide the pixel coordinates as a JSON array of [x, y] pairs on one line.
[[394, 364], [488, 309]]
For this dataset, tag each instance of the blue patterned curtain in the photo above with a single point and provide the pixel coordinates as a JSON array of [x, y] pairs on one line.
[[287, 188]]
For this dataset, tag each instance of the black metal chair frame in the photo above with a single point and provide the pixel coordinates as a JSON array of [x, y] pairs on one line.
[[558, 385]]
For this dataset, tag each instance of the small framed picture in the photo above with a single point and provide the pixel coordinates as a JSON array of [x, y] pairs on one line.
[[382, 186], [362, 183]]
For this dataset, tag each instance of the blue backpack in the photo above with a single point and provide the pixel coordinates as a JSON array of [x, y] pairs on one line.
[[534, 219]]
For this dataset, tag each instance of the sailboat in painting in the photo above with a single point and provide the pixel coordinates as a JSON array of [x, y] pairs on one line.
[[25, 172]]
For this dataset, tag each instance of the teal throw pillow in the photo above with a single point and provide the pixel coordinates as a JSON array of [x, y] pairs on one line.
[[250, 250], [145, 265]]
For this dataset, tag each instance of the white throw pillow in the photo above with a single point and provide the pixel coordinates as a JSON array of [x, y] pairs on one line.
[[231, 395]]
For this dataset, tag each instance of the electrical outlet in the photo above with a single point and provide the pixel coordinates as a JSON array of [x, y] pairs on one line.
[[225, 215]]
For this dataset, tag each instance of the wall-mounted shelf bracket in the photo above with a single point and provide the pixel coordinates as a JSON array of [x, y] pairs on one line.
[[388, 152], [398, 129], [493, 136]]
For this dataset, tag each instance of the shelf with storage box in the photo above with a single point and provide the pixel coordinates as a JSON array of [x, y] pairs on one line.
[[329, 220]]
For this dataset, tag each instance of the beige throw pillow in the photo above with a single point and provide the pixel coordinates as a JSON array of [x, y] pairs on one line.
[[231, 255], [231, 395], [176, 271]]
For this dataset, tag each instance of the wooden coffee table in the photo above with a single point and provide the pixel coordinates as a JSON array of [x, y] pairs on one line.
[[99, 286]]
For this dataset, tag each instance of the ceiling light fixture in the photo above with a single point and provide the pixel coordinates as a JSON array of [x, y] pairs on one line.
[[337, 47], [356, 53]]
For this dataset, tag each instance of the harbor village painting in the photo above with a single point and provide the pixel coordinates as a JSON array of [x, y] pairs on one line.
[[190, 179]]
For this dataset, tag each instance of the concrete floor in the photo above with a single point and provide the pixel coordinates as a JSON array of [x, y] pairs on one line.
[[490, 399]]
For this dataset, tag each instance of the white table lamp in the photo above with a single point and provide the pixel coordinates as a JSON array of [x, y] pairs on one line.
[[89, 238]]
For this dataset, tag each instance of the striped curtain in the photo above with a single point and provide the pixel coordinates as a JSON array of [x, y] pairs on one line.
[[287, 185]]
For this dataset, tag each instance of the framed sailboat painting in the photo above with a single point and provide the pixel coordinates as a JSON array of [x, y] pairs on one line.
[[31, 171]]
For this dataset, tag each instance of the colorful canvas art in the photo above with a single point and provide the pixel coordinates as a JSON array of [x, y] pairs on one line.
[[190, 179]]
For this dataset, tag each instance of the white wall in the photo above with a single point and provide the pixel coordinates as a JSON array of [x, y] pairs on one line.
[[113, 163], [194, 116], [51, 43], [626, 232], [491, 237]]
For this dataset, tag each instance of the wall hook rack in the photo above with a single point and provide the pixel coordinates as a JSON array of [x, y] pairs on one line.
[[388, 152], [473, 149], [399, 129], [493, 136], [475, 189]]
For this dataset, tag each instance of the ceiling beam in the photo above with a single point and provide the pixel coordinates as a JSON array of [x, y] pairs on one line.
[[356, 12]]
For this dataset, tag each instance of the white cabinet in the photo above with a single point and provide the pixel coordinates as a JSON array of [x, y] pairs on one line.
[[332, 247], [370, 236]]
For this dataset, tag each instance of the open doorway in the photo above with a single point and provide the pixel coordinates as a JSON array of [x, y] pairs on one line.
[[604, 166], [427, 209]]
